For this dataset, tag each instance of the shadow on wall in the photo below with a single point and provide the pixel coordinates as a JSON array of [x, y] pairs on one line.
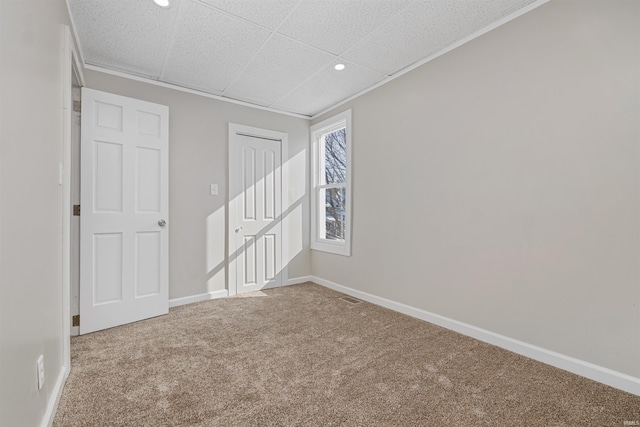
[[217, 236]]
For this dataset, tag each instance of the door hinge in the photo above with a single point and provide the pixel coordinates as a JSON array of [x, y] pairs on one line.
[[76, 210], [75, 320], [77, 106]]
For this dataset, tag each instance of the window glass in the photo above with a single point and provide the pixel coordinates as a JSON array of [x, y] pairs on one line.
[[334, 213], [335, 157]]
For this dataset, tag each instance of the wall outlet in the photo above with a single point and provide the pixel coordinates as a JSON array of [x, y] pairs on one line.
[[40, 369], [214, 189]]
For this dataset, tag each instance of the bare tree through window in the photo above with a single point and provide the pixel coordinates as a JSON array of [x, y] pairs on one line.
[[335, 144]]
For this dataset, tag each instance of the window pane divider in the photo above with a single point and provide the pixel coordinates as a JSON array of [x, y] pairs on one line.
[[329, 186]]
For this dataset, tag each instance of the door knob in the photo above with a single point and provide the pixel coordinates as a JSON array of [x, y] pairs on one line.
[[162, 223], [238, 229]]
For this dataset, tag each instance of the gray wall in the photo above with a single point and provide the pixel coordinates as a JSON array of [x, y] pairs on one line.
[[498, 185], [31, 199], [198, 157]]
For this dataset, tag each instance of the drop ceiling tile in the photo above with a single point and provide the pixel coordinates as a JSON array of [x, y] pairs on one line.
[[328, 88], [210, 48], [269, 13], [219, 4], [206, 44], [127, 35], [280, 65], [335, 25], [425, 28]]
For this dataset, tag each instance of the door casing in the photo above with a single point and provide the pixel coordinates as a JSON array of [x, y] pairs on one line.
[[72, 76]]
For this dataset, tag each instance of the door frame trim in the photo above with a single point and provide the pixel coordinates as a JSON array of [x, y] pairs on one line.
[[72, 70], [235, 129]]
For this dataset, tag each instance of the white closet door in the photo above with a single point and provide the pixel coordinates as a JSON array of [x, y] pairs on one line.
[[256, 207]]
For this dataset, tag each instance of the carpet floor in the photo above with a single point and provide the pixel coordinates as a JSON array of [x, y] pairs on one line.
[[301, 356]]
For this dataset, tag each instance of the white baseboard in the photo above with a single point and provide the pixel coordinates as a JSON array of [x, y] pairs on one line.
[[589, 370], [198, 298], [225, 293], [56, 394], [298, 280]]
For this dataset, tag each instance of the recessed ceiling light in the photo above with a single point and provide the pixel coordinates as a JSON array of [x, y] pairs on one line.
[[339, 67], [162, 3]]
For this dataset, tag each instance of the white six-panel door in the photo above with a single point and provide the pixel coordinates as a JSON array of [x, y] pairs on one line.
[[124, 231], [255, 184]]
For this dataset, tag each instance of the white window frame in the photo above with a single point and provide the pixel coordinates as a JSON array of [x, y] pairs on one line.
[[340, 247]]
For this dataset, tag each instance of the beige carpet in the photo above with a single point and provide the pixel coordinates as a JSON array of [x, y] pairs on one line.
[[300, 356]]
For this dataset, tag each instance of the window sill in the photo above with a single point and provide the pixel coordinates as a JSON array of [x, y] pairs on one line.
[[332, 248]]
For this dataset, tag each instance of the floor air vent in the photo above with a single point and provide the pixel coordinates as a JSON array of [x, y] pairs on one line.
[[350, 300]]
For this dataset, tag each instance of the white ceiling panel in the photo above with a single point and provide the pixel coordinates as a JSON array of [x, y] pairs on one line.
[[426, 28], [107, 29], [269, 13], [277, 53], [280, 65], [327, 88], [335, 25], [210, 48]]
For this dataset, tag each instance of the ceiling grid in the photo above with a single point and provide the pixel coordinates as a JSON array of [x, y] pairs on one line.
[[278, 54]]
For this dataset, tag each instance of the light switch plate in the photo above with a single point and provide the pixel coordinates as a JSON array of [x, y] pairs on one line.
[[214, 189]]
